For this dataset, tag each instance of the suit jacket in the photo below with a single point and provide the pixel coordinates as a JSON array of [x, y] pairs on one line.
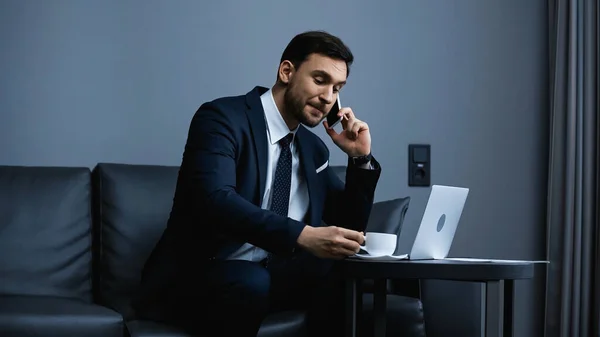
[[221, 182]]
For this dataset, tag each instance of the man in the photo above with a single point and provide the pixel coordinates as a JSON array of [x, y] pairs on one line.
[[258, 216]]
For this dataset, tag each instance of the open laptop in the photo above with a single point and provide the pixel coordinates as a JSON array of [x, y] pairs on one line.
[[438, 225]]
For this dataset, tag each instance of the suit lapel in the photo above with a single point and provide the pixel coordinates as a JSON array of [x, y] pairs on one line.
[[308, 166], [258, 128]]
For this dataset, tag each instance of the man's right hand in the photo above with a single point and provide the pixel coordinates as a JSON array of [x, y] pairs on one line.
[[330, 242]]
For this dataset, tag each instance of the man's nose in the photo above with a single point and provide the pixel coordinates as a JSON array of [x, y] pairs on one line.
[[327, 96]]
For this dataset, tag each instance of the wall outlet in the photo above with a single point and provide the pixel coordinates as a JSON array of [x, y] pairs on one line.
[[419, 165]]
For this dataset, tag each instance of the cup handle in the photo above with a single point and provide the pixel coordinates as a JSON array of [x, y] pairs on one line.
[[364, 248]]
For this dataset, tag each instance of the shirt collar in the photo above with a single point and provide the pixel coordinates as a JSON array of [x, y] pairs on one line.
[[276, 127]]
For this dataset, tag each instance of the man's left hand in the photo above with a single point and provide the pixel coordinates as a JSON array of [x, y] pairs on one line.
[[355, 138]]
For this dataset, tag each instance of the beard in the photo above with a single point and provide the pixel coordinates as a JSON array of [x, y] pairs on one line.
[[294, 105]]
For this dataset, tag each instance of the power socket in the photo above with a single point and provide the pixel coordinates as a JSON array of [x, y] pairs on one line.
[[419, 165]]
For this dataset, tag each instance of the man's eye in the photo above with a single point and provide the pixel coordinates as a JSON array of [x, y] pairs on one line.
[[319, 81]]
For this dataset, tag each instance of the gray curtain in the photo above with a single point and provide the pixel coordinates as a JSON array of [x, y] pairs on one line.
[[573, 232]]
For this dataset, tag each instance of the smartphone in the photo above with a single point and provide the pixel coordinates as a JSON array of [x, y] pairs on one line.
[[332, 117]]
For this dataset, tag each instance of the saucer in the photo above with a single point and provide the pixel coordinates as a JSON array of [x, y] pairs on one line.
[[380, 257]]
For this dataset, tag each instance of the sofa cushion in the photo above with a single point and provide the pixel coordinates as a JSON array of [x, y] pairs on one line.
[[45, 231], [388, 216], [287, 323], [43, 316], [404, 316], [131, 209]]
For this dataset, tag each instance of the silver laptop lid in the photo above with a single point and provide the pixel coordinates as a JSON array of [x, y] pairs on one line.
[[438, 226]]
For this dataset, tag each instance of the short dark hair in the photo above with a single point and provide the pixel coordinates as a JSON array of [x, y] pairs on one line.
[[316, 42]]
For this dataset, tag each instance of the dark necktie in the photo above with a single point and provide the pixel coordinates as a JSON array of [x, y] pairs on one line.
[[283, 178], [282, 184]]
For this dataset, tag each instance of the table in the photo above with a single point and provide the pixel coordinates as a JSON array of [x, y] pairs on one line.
[[497, 276]]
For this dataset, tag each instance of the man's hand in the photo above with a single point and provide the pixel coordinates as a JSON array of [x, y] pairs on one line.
[[331, 242], [355, 139]]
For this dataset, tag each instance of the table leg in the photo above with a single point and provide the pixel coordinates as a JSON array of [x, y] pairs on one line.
[[379, 307], [359, 305], [509, 297], [493, 327], [351, 308]]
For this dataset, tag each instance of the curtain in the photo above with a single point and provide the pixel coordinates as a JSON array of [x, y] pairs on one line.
[[573, 233]]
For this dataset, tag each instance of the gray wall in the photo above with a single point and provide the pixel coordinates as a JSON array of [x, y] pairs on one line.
[[118, 81]]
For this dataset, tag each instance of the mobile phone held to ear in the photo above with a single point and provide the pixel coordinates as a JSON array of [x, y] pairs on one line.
[[332, 117]]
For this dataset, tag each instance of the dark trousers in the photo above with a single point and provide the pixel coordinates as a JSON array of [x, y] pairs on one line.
[[231, 298]]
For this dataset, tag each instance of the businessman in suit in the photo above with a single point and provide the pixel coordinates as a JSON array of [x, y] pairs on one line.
[[258, 217]]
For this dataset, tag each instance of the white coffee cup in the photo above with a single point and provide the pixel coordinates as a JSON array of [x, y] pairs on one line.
[[379, 244]]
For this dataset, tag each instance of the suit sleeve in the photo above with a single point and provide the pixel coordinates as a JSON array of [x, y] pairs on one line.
[[210, 159], [349, 205]]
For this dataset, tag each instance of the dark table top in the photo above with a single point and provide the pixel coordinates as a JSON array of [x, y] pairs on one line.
[[436, 269]]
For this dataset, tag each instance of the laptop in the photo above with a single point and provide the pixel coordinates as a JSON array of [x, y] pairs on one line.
[[438, 225]]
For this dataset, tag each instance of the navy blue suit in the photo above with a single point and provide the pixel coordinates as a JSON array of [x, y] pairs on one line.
[[219, 191]]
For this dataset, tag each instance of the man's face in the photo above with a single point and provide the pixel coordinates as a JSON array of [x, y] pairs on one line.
[[313, 89]]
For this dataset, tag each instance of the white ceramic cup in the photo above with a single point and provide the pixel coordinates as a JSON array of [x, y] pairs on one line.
[[379, 244]]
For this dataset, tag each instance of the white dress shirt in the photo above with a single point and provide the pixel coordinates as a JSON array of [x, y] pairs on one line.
[[299, 199]]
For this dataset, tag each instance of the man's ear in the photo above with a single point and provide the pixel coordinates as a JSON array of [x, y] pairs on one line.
[[286, 71]]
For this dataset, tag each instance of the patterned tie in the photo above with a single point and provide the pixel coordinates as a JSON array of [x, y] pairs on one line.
[[282, 183], [283, 178]]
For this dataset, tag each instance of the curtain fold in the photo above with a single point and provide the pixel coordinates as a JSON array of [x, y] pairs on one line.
[[573, 233]]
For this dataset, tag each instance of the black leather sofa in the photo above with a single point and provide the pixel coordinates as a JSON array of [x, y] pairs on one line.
[[73, 242]]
